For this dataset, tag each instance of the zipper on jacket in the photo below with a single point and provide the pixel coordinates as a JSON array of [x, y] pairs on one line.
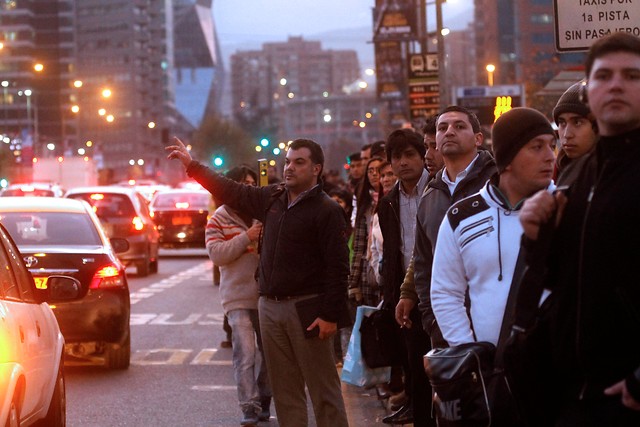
[[583, 230]]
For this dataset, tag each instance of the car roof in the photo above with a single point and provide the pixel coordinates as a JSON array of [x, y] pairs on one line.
[[114, 189], [182, 191], [42, 204]]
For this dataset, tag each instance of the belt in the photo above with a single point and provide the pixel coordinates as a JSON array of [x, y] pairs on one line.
[[287, 297]]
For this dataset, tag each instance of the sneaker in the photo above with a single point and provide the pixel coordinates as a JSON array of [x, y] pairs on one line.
[[265, 411], [249, 418]]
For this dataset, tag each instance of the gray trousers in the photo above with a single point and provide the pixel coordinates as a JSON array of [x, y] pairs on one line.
[[293, 361]]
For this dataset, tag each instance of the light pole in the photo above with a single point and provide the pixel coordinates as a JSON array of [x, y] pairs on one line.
[[490, 70], [5, 86]]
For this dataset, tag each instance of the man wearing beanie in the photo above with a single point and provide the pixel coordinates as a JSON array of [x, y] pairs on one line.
[[479, 239], [577, 130]]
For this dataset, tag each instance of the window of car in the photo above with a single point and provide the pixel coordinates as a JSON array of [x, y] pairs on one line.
[[51, 228], [193, 200], [13, 262], [34, 192], [8, 288], [108, 205]]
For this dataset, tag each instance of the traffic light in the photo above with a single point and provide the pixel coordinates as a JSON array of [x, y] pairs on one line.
[[218, 161], [264, 142]]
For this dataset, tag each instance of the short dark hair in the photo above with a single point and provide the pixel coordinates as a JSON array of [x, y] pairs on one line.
[[430, 127], [616, 42], [240, 172], [377, 149], [355, 157], [400, 139], [317, 155], [365, 147], [473, 119]]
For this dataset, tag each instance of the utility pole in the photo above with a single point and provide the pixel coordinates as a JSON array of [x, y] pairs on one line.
[[444, 90]]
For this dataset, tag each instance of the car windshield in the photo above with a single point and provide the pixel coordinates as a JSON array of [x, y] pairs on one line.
[[51, 228], [20, 192], [182, 201], [108, 205]]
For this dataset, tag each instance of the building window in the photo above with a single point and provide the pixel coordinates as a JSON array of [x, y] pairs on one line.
[[542, 38], [544, 18]]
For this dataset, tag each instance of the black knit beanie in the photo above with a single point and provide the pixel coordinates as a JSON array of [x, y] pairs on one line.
[[570, 102], [513, 130]]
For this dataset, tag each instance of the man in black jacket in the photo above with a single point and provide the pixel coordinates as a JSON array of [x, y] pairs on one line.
[[397, 213], [304, 254], [594, 307]]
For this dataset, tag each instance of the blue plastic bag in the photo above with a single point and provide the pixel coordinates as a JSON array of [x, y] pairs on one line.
[[354, 370]]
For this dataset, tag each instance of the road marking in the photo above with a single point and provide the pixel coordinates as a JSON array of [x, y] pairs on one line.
[[205, 358], [161, 356], [172, 281], [214, 388], [138, 319], [178, 356]]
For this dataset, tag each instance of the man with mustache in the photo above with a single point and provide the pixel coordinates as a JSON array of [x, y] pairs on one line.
[[303, 258]]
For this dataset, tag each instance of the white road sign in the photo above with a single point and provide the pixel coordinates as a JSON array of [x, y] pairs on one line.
[[581, 22]]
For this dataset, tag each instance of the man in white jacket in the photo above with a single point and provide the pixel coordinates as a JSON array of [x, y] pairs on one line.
[[479, 239], [231, 241]]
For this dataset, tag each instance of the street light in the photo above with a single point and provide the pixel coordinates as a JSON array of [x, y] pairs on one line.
[[490, 70]]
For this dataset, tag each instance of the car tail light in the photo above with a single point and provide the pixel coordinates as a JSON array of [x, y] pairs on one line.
[[182, 205], [138, 224], [107, 277]]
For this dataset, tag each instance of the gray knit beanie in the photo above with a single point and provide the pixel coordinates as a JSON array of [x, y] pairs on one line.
[[570, 102], [513, 130]]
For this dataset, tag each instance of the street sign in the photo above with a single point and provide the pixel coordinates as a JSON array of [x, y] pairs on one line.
[[579, 23]]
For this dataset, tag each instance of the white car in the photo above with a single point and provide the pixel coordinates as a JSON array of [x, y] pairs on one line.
[[32, 387]]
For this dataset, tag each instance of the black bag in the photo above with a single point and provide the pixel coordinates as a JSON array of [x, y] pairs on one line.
[[468, 389], [469, 383], [380, 340]]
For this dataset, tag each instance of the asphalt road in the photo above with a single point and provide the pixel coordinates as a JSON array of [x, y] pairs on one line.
[[179, 375]]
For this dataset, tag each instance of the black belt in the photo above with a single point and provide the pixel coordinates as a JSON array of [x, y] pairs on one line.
[[286, 297]]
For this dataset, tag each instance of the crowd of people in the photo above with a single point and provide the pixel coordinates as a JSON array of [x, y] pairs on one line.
[[435, 228]]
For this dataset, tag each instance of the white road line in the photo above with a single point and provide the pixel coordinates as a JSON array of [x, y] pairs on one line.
[[214, 388], [171, 281]]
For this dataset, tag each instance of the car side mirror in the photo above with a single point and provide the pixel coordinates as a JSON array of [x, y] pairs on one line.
[[63, 288], [119, 245]]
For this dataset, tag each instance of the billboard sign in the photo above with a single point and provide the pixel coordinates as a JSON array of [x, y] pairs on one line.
[[579, 23]]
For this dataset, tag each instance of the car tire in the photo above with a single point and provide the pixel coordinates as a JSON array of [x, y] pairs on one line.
[[153, 268], [118, 356], [13, 420], [57, 413], [143, 267]]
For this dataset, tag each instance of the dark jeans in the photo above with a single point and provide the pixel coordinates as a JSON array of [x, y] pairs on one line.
[[418, 344]]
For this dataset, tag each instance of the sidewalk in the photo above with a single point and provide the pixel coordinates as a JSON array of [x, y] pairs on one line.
[[363, 406]]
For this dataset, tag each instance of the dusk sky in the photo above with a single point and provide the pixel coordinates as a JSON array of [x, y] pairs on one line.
[[246, 24]]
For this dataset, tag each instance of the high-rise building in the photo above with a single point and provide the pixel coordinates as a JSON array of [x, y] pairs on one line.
[[125, 62], [36, 68], [517, 36], [198, 70], [295, 69]]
